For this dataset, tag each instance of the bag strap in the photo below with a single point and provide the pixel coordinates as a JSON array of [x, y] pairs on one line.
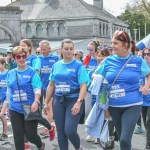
[[120, 71], [18, 89]]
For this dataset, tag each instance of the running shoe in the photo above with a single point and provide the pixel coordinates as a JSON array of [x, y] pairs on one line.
[[147, 147], [138, 130], [52, 132], [97, 141], [26, 146], [3, 137], [43, 146], [89, 138], [45, 133]]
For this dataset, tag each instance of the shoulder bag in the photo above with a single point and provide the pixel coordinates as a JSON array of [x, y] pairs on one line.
[[120, 72], [28, 115]]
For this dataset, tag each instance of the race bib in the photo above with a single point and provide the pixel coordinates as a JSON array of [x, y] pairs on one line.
[[117, 91], [63, 88], [3, 83], [45, 69], [16, 97]]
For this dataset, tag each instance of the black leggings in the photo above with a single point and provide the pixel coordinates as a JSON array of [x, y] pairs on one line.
[[146, 121], [21, 127]]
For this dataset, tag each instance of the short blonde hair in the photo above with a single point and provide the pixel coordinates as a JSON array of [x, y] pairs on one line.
[[18, 50]]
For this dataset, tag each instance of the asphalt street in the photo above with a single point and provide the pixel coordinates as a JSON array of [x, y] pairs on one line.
[[138, 141]]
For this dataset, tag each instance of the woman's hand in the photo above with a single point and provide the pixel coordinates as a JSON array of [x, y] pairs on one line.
[[144, 89], [45, 109], [34, 106], [76, 108]]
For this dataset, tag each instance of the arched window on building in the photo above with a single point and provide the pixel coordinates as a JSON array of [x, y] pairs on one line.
[[39, 30], [50, 29], [61, 29], [28, 31], [100, 28], [107, 34], [104, 29]]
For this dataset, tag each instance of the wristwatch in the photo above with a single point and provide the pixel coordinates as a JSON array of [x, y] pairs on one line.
[[80, 100]]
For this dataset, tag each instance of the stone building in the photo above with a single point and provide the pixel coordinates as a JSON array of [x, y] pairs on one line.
[[10, 24], [55, 20]]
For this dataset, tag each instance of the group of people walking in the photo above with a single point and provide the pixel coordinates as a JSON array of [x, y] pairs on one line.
[[58, 85]]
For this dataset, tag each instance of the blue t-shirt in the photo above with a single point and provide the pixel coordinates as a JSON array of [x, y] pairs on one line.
[[68, 77], [28, 80], [34, 62], [46, 66], [92, 65], [146, 98], [3, 87], [125, 91]]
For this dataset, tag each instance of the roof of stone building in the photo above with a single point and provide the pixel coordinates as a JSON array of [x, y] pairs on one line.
[[60, 9], [9, 8]]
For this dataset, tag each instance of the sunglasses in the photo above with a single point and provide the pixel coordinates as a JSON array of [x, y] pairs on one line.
[[37, 52], [75, 54], [21, 56], [144, 54], [122, 34], [8, 52]]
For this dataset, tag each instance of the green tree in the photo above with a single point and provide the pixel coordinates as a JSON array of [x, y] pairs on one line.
[[136, 19]]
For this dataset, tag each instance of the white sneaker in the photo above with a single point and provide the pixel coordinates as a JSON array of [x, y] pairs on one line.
[[97, 141], [90, 138]]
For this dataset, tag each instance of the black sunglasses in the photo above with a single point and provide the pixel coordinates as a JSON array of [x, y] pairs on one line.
[[37, 52], [8, 52], [144, 54]]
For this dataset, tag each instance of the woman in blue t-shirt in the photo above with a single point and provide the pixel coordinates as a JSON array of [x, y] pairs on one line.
[[31, 60], [30, 89], [146, 101], [90, 64], [3, 99], [68, 84], [125, 95]]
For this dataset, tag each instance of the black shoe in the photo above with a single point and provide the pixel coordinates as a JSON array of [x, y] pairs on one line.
[[3, 137], [43, 146], [111, 146], [147, 147]]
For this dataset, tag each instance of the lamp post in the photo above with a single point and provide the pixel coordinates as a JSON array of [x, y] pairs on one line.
[[139, 34], [145, 29], [135, 33]]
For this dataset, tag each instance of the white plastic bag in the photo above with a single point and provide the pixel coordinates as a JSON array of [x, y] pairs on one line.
[[104, 136]]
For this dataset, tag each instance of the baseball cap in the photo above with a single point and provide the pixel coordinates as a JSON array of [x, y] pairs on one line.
[[9, 50]]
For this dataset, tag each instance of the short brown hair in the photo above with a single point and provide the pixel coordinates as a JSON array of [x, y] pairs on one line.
[[2, 60], [29, 44], [95, 43], [66, 41], [18, 50], [144, 51], [103, 52]]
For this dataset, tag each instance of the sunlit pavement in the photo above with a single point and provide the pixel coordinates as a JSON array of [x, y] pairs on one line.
[[138, 141]]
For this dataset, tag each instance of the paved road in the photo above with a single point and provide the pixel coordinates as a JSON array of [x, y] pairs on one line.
[[138, 141]]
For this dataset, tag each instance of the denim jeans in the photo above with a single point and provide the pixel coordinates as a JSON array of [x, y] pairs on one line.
[[66, 123], [125, 119]]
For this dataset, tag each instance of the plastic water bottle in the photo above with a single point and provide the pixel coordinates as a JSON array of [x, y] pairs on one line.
[[102, 96]]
